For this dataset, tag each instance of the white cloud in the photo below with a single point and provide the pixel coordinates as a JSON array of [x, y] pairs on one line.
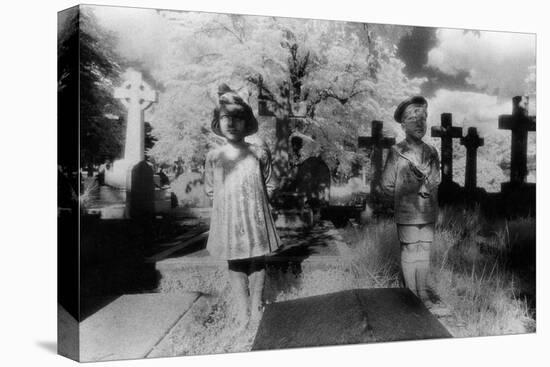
[[497, 61], [468, 109], [142, 33]]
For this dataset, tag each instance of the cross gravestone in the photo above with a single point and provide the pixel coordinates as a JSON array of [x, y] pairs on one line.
[[520, 124], [471, 141], [282, 116], [446, 132], [133, 173], [378, 143], [263, 109], [136, 95]]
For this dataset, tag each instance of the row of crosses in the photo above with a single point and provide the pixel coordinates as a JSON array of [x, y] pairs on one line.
[[518, 122]]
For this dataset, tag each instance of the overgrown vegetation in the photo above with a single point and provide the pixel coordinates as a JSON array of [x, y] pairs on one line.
[[483, 270]]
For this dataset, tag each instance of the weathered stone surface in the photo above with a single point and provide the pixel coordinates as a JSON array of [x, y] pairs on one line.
[[131, 326], [348, 317], [397, 314]]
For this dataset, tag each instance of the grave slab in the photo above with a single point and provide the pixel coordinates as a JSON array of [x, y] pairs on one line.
[[132, 325], [348, 317]]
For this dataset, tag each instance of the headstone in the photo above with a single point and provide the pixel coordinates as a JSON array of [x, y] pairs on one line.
[[285, 115], [471, 141], [133, 173], [446, 132], [520, 124], [313, 182], [136, 95], [263, 109], [378, 143], [347, 317], [281, 159], [140, 199]]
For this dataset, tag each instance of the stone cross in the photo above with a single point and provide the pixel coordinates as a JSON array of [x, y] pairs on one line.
[[446, 132], [520, 124], [471, 141], [263, 109], [136, 95], [378, 143], [282, 121]]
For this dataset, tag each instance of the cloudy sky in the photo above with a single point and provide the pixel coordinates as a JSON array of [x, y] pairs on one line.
[[472, 74]]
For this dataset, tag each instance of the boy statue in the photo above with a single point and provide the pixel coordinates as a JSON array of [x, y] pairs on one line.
[[411, 177]]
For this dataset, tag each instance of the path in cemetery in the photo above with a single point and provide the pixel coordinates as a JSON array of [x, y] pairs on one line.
[[189, 267], [188, 277], [191, 291]]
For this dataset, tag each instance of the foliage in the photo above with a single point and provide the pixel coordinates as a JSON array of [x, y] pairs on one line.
[[98, 70], [342, 73], [483, 270], [67, 90]]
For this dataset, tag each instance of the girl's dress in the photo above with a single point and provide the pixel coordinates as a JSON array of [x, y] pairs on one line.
[[239, 180]]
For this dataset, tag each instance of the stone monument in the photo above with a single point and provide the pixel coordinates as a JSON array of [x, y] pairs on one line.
[[132, 173]]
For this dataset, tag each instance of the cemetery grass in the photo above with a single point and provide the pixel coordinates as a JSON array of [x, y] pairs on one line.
[[483, 270]]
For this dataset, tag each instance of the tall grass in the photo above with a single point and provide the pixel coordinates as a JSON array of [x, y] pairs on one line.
[[482, 269]]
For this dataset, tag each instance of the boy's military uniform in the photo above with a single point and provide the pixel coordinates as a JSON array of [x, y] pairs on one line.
[[412, 184], [412, 176]]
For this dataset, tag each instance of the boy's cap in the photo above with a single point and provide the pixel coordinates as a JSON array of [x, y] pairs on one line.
[[231, 104], [412, 100]]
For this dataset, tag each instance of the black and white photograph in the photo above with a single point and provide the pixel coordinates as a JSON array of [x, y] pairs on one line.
[[274, 183], [234, 183]]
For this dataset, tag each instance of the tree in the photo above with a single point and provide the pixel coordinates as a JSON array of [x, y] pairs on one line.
[[343, 73], [101, 136]]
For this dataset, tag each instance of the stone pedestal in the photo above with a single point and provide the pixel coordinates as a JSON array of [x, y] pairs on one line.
[[117, 176], [347, 317], [140, 191], [136, 179]]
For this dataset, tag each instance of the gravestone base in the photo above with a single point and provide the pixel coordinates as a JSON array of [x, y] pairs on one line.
[[449, 193], [519, 199], [347, 317], [510, 187], [117, 176]]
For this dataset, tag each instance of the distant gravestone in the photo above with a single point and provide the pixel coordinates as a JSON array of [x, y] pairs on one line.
[[313, 181], [348, 317], [447, 132], [520, 124], [133, 173], [141, 198], [471, 141], [378, 143]]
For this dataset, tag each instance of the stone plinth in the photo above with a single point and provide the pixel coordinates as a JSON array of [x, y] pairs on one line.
[[348, 317], [117, 176], [131, 326]]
